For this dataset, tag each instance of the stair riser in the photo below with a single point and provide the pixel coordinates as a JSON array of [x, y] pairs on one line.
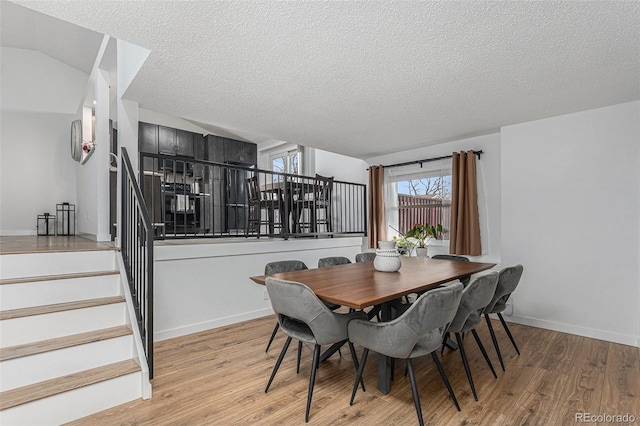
[[38, 293], [39, 264], [72, 405], [18, 331], [26, 370]]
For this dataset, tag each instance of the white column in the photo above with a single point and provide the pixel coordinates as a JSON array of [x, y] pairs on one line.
[[101, 156]]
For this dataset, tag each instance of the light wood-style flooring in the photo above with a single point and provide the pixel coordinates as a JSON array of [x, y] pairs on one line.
[[217, 377], [21, 244]]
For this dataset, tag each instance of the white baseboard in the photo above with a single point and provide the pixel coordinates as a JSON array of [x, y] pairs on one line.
[[609, 336], [17, 232], [208, 325]]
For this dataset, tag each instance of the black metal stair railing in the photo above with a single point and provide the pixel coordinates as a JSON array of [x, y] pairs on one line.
[[137, 237], [190, 198]]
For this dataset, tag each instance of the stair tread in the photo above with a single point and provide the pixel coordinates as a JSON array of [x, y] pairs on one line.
[[59, 307], [57, 277], [63, 342], [33, 392]]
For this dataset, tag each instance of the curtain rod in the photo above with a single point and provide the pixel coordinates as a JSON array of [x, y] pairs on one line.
[[427, 160]]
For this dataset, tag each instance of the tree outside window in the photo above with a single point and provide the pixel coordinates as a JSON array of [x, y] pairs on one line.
[[424, 200]]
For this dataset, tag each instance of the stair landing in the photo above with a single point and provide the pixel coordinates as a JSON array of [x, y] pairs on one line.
[[23, 244]]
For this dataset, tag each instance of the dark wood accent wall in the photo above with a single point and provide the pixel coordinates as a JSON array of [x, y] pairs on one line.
[[224, 207]]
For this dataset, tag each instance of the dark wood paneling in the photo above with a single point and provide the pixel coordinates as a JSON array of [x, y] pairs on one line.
[[199, 153], [167, 140], [249, 153], [215, 148], [199, 148], [148, 138], [232, 151], [184, 143]]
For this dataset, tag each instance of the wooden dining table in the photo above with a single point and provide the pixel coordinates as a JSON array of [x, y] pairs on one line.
[[359, 285]]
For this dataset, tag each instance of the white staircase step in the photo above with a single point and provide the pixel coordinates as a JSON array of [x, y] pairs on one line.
[[58, 307], [66, 350], [19, 293], [71, 397], [63, 342], [27, 370], [39, 264], [47, 322]]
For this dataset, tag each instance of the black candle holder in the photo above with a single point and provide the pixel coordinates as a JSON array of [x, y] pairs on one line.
[[66, 219], [45, 224]]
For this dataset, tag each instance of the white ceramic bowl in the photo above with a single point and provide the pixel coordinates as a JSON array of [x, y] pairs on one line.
[[387, 263]]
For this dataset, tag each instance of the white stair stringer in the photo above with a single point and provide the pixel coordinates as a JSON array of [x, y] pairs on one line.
[[137, 338], [64, 319]]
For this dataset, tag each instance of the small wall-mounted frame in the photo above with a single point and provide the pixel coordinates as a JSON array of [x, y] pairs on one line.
[[65, 219], [46, 224]]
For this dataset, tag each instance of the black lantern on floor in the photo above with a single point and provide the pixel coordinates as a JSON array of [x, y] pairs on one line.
[[66, 219], [45, 224]]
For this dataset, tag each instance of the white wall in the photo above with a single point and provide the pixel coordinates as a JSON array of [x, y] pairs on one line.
[[33, 81], [570, 215], [341, 167], [488, 168], [203, 285], [93, 176], [36, 168], [324, 163], [40, 99]]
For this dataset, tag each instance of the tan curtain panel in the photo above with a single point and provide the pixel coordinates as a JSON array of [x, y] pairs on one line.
[[465, 224], [377, 222]]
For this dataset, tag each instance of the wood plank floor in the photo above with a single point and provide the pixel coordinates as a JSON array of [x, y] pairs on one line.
[[21, 244], [217, 377]]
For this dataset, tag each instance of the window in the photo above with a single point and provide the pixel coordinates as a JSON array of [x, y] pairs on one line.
[[418, 196], [285, 162]]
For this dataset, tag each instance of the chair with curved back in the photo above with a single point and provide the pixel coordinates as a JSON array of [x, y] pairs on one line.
[[288, 266], [417, 332], [508, 279], [367, 256], [275, 268], [450, 257], [475, 298], [465, 281], [304, 317], [333, 261]]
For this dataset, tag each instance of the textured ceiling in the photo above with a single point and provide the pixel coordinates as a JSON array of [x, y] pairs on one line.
[[20, 28], [367, 78]]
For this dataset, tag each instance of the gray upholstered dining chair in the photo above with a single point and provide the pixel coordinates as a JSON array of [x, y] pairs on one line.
[[288, 266], [465, 280], [304, 317], [332, 261], [450, 257], [417, 332], [475, 298], [367, 256], [275, 268], [508, 279]]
